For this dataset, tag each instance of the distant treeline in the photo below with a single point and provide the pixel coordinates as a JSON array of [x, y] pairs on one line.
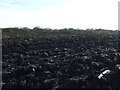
[[68, 31]]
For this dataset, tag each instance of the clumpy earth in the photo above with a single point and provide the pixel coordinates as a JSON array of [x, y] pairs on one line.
[[60, 59]]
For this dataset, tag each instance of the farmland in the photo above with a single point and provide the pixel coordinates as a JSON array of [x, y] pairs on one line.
[[67, 58]]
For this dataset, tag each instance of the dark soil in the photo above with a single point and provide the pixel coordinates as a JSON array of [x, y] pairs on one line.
[[60, 59]]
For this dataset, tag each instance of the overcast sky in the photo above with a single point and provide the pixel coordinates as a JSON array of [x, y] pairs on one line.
[[81, 14]]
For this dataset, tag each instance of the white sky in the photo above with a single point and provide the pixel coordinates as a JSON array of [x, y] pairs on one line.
[[81, 14]]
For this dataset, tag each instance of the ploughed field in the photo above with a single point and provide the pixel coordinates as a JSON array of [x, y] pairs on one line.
[[60, 59]]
